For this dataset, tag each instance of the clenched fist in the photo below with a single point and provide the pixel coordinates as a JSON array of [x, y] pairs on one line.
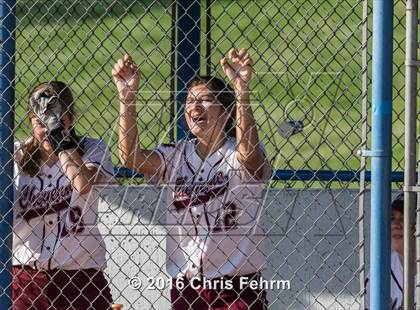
[[238, 68], [126, 77]]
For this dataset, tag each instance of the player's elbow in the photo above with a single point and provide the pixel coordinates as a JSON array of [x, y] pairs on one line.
[[84, 181], [126, 160], [251, 160], [254, 164], [82, 188]]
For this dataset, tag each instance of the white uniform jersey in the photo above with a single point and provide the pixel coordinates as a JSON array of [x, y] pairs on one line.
[[396, 294], [54, 226], [213, 212]]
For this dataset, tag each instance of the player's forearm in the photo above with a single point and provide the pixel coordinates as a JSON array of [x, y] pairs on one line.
[[81, 177], [128, 133], [249, 152], [131, 155]]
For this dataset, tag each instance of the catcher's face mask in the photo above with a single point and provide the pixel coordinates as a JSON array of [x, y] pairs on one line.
[[47, 107]]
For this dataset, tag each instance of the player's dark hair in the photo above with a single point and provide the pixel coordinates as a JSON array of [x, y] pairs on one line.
[[224, 94], [398, 202], [30, 160]]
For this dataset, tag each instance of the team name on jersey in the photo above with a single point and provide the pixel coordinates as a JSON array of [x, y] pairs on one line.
[[192, 194], [44, 202]]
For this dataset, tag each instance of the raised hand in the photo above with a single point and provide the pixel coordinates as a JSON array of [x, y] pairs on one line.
[[126, 77], [238, 68]]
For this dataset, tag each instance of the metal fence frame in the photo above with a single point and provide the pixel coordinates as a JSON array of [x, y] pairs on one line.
[[411, 70], [7, 74]]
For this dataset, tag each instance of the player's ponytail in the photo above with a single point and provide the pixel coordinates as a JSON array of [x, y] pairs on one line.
[[29, 161], [225, 94]]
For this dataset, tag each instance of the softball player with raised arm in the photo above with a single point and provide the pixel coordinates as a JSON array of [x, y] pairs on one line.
[[58, 252], [397, 256], [214, 243]]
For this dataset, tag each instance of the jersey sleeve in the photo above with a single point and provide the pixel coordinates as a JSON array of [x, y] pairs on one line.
[[246, 176], [167, 155], [96, 153], [393, 302]]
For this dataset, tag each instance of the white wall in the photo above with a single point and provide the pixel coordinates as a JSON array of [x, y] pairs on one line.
[[312, 238]]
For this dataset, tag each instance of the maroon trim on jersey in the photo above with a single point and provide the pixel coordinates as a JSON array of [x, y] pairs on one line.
[[206, 217], [205, 240], [43, 237], [164, 163], [193, 221], [215, 165], [56, 240], [41, 181], [100, 167], [394, 305], [191, 168], [201, 263], [188, 163], [57, 183], [396, 281], [201, 198], [196, 230]]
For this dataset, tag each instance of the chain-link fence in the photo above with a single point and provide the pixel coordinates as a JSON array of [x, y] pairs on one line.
[[79, 244]]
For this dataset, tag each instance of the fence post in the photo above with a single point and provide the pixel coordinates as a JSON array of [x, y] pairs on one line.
[[381, 153], [364, 130], [188, 55], [410, 150], [7, 73]]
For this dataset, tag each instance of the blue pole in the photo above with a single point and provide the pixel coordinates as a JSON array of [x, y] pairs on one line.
[[188, 55], [7, 75], [381, 149]]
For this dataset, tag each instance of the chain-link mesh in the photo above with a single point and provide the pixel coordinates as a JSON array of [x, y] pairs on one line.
[[83, 238]]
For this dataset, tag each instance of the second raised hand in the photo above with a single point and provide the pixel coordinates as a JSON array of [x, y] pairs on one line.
[[238, 68], [126, 76]]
